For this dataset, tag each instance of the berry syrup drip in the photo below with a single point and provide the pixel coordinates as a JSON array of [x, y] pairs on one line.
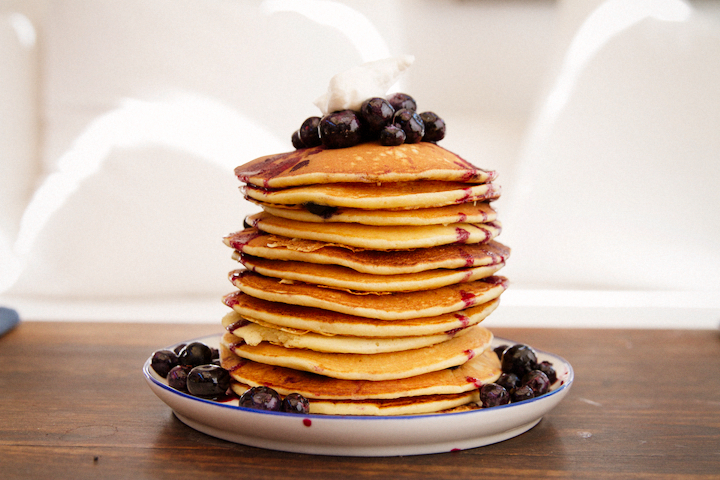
[[277, 164], [462, 235], [474, 381], [231, 299], [240, 239], [470, 354], [307, 422], [496, 280], [469, 259], [464, 319], [462, 218], [237, 344], [241, 363], [235, 275], [473, 172], [468, 298], [235, 325], [467, 195]]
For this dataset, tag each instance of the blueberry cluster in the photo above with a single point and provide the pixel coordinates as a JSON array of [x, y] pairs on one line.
[[265, 398], [523, 377], [391, 121], [194, 368]]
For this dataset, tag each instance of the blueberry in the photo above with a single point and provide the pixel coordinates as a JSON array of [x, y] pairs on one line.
[[261, 398], [411, 123], [208, 381], [323, 211], [309, 132], [392, 136], [547, 368], [376, 114], [195, 354], [538, 381], [521, 394], [499, 350], [177, 377], [163, 361], [340, 129], [295, 138], [518, 359], [492, 395], [402, 100], [295, 403], [509, 381], [434, 127]]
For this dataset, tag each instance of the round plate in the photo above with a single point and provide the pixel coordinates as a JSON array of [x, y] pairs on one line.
[[370, 436]]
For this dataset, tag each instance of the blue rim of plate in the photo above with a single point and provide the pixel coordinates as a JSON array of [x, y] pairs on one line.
[[567, 382]]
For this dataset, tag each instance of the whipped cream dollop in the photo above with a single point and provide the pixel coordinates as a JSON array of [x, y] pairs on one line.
[[349, 89]]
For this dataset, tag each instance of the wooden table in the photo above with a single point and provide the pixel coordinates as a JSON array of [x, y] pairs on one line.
[[74, 404]]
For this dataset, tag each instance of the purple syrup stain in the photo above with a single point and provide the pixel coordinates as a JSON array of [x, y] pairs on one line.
[[464, 319], [455, 450], [470, 353], [231, 299], [307, 422], [467, 297], [469, 259], [239, 240], [241, 363], [300, 165], [454, 331], [235, 325], [235, 275], [462, 235], [474, 381], [462, 217], [467, 196]]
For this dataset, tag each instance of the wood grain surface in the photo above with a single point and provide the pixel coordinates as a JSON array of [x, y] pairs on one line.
[[74, 404]]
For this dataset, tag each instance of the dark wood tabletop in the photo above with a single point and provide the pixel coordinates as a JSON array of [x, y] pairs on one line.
[[74, 404]]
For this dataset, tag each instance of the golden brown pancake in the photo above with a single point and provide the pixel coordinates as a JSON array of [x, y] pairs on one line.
[[397, 306], [371, 196], [345, 278], [481, 369], [378, 262], [470, 212], [425, 404], [366, 162], [378, 237], [252, 333], [326, 322], [379, 366]]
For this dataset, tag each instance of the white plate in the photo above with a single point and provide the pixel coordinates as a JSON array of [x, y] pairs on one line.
[[370, 436]]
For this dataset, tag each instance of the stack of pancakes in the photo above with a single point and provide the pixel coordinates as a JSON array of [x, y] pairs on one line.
[[364, 279]]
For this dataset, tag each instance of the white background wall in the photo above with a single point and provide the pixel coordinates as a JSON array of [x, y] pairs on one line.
[[141, 110]]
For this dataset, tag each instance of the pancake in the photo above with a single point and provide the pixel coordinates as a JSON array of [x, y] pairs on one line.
[[377, 237], [389, 407], [375, 367], [377, 262], [326, 322], [366, 162], [397, 306], [253, 333], [371, 196], [345, 278], [470, 212], [481, 369]]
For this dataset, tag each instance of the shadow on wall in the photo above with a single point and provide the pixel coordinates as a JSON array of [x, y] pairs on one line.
[[616, 187]]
